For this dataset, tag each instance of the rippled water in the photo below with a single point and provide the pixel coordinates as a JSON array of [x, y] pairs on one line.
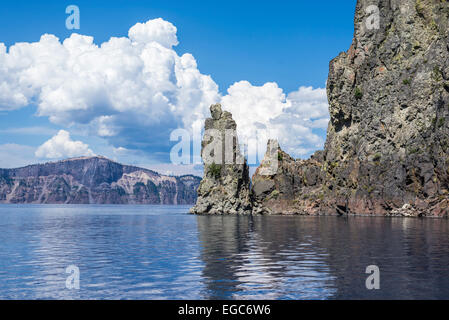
[[160, 252]]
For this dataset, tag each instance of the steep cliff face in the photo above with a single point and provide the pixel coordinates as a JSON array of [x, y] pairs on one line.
[[389, 103], [94, 180], [387, 144], [225, 188]]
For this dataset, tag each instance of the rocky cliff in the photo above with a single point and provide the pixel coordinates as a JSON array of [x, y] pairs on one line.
[[389, 103], [387, 144], [93, 180], [281, 191]]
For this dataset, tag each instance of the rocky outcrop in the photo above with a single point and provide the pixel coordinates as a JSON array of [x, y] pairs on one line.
[[94, 180], [387, 144], [281, 184], [225, 188], [386, 151]]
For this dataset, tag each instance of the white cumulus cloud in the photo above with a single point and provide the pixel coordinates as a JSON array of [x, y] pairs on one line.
[[298, 120], [157, 30], [62, 146], [133, 91]]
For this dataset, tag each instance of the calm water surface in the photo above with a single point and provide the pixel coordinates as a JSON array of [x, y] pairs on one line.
[[161, 252]]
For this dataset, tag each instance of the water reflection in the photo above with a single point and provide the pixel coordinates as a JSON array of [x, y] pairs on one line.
[[151, 252], [122, 252], [262, 258], [324, 257], [412, 254]]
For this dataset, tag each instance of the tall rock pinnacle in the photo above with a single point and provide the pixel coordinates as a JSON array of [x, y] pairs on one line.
[[225, 188]]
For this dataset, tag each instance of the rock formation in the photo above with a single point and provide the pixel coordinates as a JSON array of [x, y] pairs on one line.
[[280, 191], [387, 144], [225, 188], [93, 180]]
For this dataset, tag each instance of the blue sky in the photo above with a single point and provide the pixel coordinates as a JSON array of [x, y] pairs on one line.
[[289, 43]]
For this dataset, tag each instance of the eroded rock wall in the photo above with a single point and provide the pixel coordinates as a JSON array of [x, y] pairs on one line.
[[386, 151], [388, 137]]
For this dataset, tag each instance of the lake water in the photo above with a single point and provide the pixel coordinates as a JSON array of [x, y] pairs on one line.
[[161, 252]]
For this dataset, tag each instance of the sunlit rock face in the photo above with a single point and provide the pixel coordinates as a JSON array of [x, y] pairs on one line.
[[225, 188], [387, 145], [388, 136], [94, 180]]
